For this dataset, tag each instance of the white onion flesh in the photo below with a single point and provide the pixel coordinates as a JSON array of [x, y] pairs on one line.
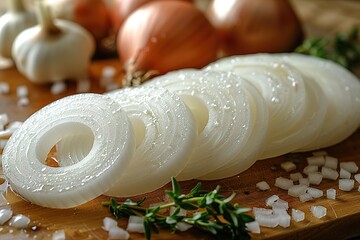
[[69, 184], [19, 221], [5, 215], [229, 123], [168, 136]]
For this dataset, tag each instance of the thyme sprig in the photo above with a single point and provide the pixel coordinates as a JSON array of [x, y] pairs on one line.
[[343, 48], [213, 212]]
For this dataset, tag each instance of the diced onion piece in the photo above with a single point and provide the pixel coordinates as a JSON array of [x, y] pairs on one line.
[[22, 91], [4, 119], [314, 192], [316, 160], [288, 166], [182, 226], [331, 162], [165, 132], [296, 176], [305, 197], [253, 227], [346, 184], [349, 166], [304, 181], [297, 215], [4, 88], [315, 178], [263, 186], [5, 215], [58, 88], [283, 183], [331, 193], [270, 200], [270, 221], [310, 168], [182, 212], [19, 221], [262, 211], [297, 190], [279, 211], [284, 220], [109, 223], [320, 153], [344, 174], [116, 232], [318, 211], [280, 204], [23, 101], [59, 235], [136, 224], [69, 185], [329, 173], [357, 177], [217, 100]]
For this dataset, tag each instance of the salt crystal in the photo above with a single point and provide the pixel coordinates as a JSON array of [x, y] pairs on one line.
[[253, 227], [331, 162], [4, 88], [346, 184], [288, 166], [316, 161], [297, 215], [314, 192], [310, 168], [344, 174], [58, 88], [318, 211], [331, 193], [315, 178], [23, 101], [297, 190], [270, 200], [22, 91], [305, 197], [263, 186], [283, 183], [329, 173], [295, 176], [349, 166]]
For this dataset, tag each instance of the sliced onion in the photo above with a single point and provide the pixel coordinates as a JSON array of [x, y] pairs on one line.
[[229, 125], [342, 91], [5, 215], [19, 221], [69, 184], [166, 133]]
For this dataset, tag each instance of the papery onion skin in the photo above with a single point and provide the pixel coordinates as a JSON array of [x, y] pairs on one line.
[[253, 26], [166, 35], [119, 10]]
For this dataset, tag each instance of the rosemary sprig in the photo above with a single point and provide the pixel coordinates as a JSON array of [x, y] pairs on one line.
[[213, 212], [342, 48]]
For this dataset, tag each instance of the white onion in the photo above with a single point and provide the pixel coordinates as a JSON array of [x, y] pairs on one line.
[[280, 204], [166, 133], [270, 200], [296, 176], [310, 169], [22, 91], [341, 89], [314, 192], [305, 197], [182, 227], [316, 160], [109, 223], [331, 193], [116, 232], [331, 162], [69, 185], [315, 178], [228, 123], [253, 227], [357, 177], [58, 88], [288, 166], [349, 166], [19, 221], [263, 186], [4, 88], [59, 235], [283, 183], [346, 184], [345, 174], [5, 215], [297, 190], [269, 221], [136, 224], [319, 153], [318, 211], [304, 181], [329, 173], [297, 215], [284, 220], [4, 119]]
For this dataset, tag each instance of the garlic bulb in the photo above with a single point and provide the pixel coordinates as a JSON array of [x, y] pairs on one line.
[[14, 21], [53, 50]]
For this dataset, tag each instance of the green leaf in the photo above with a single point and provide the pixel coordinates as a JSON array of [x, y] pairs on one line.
[[195, 191], [176, 189]]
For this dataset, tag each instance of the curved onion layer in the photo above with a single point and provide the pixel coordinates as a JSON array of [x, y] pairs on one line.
[[256, 143], [342, 90], [229, 119], [284, 90], [69, 184], [167, 133]]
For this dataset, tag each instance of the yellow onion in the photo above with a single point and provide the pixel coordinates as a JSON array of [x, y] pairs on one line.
[[253, 26], [162, 36]]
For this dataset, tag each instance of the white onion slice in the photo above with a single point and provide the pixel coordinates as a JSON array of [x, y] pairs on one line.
[[255, 145], [69, 185], [229, 120], [166, 133], [19, 221], [342, 91]]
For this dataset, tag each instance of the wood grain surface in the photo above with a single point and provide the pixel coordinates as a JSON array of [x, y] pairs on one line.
[[85, 221]]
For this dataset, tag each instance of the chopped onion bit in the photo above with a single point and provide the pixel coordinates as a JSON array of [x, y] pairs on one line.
[[349, 166], [284, 220], [261, 211], [182, 226], [329, 173], [22, 91], [357, 177], [297, 215], [283, 183], [109, 223], [58, 88], [296, 176], [59, 235], [316, 161], [315, 178], [19, 221], [297, 190], [305, 197], [310, 168], [4, 88], [116, 232], [304, 181], [271, 200], [346, 184], [263, 186], [5, 215], [331, 162], [280, 204], [344, 174], [314, 192], [253, 227], [288, 166], [319, 153], [331, 193], [136, 224], [23, 101], [318, 211]]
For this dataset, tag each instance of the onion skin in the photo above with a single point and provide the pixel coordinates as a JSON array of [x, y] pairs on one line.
[[119, 10], [162, 36], [253, 26]]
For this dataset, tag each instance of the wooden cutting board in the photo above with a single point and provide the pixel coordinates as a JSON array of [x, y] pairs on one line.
[[85, 221]]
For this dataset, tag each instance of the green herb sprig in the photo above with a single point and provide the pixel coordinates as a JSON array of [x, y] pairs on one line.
[[213, 212], [343, 48]]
